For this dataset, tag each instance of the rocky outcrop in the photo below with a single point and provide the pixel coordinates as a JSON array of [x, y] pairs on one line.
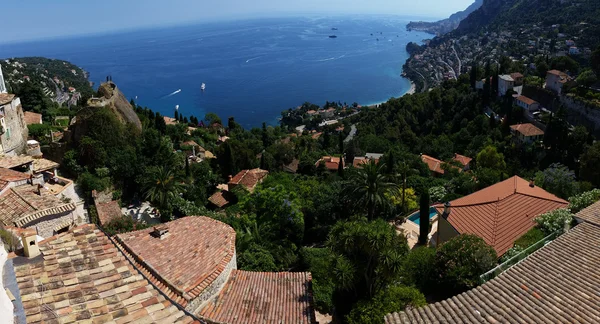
[[447, 25], [111, 97]]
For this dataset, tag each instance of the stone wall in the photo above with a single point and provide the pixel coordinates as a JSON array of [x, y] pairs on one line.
[[14, 138], [214, 289], [47, 226], [581, 114]]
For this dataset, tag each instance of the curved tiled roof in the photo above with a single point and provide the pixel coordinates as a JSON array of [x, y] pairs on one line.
[[22, 205], [501, 213], [263, 297], [186, 261], [82, 277], [557, 284]]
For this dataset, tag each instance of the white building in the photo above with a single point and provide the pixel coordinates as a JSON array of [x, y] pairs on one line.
[[505, 83]]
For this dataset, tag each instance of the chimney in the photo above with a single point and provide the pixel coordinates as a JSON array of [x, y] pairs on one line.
[[447, 210], [30, 247], [39, 189], [161, 231], [532, 183]]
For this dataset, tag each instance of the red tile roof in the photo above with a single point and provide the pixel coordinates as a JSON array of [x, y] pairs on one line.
[[83, 277], [501, 213], [10, 162], [557, 73], [464, 160], [107, 211], [22, 205], [32, 118], [263, 297], [360, 160], [188, 260], [516, 75], [590, 214], [434, 164], [221, 198], [331, 162], [556, 284], [527, 129], [12, 175], [526, 100], [248, 178]]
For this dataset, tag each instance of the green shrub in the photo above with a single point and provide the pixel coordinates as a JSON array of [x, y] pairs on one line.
[[123, 224], [318, 261], [579, 202], [554, 221], [419, 269], [392, 299]]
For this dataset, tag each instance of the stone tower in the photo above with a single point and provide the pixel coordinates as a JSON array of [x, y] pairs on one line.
[[2, 84]]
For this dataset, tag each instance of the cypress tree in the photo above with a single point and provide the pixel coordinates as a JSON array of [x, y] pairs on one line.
[[176, 114], [424, 217], [341, 143], [187, 167], [340, 169]]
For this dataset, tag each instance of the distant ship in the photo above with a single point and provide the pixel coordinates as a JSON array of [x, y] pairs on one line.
[[332, 36], [203, 87]]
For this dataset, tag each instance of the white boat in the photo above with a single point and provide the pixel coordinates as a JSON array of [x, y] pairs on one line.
[[203, 86]]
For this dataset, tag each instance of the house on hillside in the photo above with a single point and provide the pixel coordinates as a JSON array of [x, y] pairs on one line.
[[529, 105], [505, 83], [499, 214], [517, 78], [248, 179], [558, 283], [465, 161], [555, 80], [32, 118], [331, 163], [193, 261], [360, 160], [526, 133]]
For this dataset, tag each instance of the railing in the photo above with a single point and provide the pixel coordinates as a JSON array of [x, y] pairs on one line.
[[517, 258]]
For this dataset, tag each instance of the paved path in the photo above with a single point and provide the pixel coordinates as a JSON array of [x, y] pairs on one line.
[[351, 135], [459, 61]]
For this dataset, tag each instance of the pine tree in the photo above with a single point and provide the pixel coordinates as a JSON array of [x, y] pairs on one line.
[[424, 217], [263, 165]]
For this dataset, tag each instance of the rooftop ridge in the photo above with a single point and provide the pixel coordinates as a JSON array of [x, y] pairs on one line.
[[25, 200]]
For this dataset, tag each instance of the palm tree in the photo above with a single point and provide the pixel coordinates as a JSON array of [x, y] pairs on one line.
[[162, 187], [367, 187]]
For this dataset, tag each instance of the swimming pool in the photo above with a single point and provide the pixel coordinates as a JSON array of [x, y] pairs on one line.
[[416, 217]]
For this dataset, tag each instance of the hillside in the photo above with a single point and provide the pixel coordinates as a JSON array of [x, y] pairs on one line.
[[47, 86], [447, 25]]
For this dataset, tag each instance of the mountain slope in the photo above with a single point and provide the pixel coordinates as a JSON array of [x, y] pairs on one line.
[[444, 26]]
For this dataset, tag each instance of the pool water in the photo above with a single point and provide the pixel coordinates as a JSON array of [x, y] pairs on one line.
[[416, 217]]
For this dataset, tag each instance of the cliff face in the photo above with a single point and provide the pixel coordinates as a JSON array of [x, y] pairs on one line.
[[486, 14], [447, 25], [114, 99]]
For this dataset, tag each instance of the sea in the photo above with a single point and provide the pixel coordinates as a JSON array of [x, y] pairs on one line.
[[253, 69]]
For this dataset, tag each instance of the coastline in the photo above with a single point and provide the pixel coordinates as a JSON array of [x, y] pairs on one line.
[[410, 91]]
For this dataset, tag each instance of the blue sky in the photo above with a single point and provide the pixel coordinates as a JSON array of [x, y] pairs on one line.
[[39, 19]]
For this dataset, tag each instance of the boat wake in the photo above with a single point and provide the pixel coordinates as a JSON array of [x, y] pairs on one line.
[[172, 94], [252, 59], [331, 58]]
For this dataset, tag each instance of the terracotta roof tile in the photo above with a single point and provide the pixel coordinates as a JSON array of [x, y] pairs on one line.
[[292, 167], [10, 162], [248, 178], [263, 297], [360, 160], [464, 160], [107, 211], [590, 214], [32, 118], [527, 129], [221, 198], [556, 284], [82, 276], [22, 205], [189, 259], [40, 165], [526, 100], [12, 175], [6, 98], [501, 213], [331, 162], [434, 164]]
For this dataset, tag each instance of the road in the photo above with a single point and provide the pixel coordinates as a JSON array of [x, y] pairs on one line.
[[450, 67], [458, 58]]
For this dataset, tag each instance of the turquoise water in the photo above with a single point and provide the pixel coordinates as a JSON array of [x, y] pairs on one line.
[[416, 217], [253, 69]]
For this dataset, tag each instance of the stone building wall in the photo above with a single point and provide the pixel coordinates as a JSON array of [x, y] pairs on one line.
[[14, 138], [47, 226], [579, 113], [214, 289]]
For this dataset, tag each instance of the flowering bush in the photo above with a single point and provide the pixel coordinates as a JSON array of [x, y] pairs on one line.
[[554, 221], [437, 194], [579, 202]]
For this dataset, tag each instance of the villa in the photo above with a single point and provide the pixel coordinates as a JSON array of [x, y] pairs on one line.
[[248, 179], [499, 214], [556, 284], [527, 133], [331, 163]]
